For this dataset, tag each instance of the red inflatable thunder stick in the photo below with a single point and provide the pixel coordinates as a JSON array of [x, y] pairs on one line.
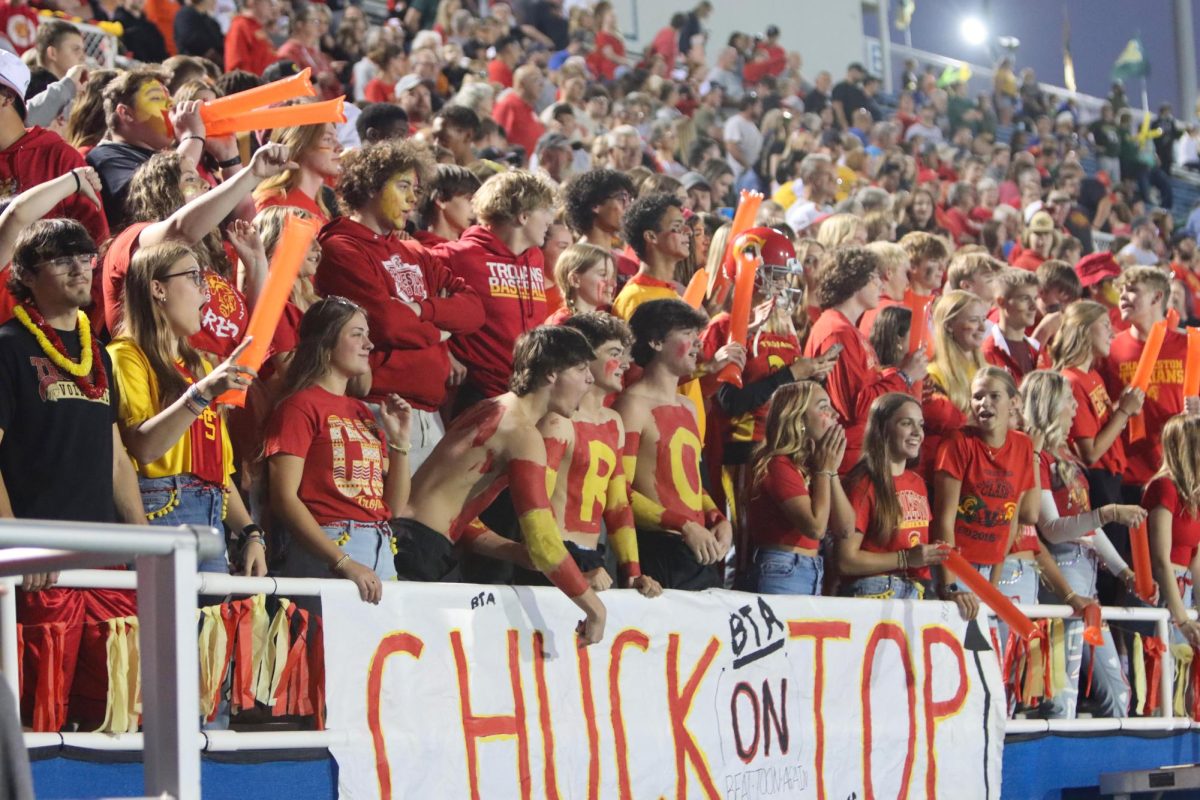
[[280, 117], [722, 279], [747, 256], [286, 261], [1139, 543], [990, 595], [299, 85]]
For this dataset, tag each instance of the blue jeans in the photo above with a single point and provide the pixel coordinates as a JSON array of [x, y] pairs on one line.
[[781, 572], [1019, 583], [187, 500], [368, 543], [1077, 562], [885, 587]]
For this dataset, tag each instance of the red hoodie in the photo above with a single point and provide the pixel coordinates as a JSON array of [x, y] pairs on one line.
[[513, 289], [382, 273], [39, 156]]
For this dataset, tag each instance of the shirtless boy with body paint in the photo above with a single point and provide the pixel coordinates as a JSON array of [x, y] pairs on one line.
[[681, 534], [494, 445], [591, 483]]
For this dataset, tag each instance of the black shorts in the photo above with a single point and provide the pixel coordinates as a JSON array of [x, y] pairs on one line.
[[586, 559], [666, 558], [423, 554]]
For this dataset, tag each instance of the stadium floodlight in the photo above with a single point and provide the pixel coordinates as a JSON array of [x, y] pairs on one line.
[[973, 31]]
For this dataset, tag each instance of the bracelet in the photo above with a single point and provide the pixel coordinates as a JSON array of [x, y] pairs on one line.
[[903, 559], [230, 162], [828, 473], [338, 565], [196, 396], [401, 449], [1070, 596], [187, 136], [78, 183], [253, 529]]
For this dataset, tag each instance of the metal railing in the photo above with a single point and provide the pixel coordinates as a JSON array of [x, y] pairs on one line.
[[214, 741], [166, 583]]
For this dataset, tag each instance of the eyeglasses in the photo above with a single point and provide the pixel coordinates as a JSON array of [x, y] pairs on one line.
[[196, 275], [64, 265]]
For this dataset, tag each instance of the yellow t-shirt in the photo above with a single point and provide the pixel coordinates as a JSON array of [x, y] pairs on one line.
[[642, 289], [139, 402]]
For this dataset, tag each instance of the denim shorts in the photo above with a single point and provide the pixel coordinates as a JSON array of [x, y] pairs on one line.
[[885, 587], [187, 500], [782, 572], [369, 543]]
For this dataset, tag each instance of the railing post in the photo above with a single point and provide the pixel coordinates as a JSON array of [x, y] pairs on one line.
[[9, 657], [170, 672], [1162, 629]]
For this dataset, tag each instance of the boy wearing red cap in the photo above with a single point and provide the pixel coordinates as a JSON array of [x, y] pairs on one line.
[[1098, 273]]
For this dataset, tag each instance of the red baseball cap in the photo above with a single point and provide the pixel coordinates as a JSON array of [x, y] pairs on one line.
[[1092, 269]]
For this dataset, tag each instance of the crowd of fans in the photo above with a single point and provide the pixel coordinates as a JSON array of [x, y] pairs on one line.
[[509, 218]]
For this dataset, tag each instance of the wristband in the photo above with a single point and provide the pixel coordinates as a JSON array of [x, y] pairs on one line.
[[196, 396], [78, 183], [402, 450], [253, 529], [187, 136], [230, 162]]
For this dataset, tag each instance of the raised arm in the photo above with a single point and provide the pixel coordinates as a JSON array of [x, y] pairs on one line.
[[34, 203]]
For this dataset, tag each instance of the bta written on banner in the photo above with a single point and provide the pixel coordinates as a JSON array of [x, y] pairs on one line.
[[457, 691]]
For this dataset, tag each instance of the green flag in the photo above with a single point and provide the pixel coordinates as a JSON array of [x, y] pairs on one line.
[[1131, 63]]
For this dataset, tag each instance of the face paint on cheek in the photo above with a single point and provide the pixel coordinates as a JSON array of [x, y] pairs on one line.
[[391, 206], [683, 349], [151, 106], [611, 366]]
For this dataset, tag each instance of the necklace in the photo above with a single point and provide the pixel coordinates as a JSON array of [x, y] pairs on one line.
[[52, 345]]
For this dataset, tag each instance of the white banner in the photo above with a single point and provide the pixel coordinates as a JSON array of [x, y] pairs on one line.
[[478, 692]]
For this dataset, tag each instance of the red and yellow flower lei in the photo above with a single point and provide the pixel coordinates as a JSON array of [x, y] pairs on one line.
[[48, 339]]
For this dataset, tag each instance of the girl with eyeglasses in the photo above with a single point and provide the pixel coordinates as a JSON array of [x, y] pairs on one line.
[[166, 415], [338, 473]]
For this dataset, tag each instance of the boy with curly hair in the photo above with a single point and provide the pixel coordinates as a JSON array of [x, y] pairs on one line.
[[414, 303], [848, 283]]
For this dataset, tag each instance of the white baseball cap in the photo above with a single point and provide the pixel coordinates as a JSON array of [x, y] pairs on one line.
[[14, 75]]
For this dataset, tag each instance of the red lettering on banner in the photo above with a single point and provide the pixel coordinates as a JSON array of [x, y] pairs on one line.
[[888, 632], [589, 715], [936, 711], [819, 631], [679, 704], [492, 726], [539, 677], [641, 641], [746, 754], [390, 645]]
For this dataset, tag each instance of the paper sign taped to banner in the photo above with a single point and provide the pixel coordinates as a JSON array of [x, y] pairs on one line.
[[475, 692]]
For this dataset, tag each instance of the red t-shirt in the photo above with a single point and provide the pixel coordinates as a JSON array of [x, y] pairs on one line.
[[247, 46], [1027, 540], [295, 198], [867, 320], [519, 122], [1185, 527], [856, 379], [19, 25], [993, 480], [767, 353], [601, 66], [1190, 280], [344, 453], [223, 320], [1095, 408], [1067, 481], [1164, 397], [499, 72], [768, 523], [911, 529], [378, 90], [942, 418]]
